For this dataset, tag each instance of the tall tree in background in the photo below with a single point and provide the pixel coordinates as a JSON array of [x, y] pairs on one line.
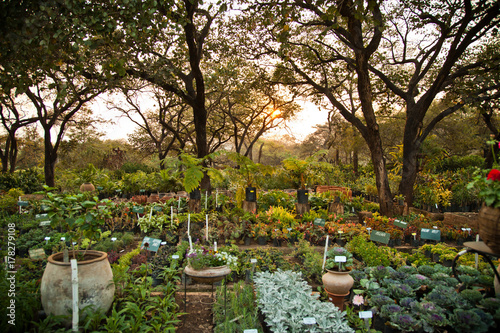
[[402, 52]]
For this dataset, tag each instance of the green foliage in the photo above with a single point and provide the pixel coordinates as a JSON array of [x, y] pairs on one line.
[[276, 198], [8, 201], [239, 313], [29, 180], [296, 302]]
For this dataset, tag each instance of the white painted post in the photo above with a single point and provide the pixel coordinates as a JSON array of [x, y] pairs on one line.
[[74, 286], [326, 249], [189, 222], [477, 255], [206, 228], [171, 215], [206, 199]]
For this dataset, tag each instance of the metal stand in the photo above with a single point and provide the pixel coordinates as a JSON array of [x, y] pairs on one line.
[[479, 248]]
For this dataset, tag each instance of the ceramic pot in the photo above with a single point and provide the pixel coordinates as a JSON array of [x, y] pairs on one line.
[[87, 187], [489, 227], [95, 283], [338, 283], [209, 274]]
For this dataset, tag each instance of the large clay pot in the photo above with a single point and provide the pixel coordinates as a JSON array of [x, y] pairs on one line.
[[489, 227], [338, 283], [95, 283], [87, 187], [209, 274]]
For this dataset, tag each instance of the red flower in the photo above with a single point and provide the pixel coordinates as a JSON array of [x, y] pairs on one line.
[[494, 174]]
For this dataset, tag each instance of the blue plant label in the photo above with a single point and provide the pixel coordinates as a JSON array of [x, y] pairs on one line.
[[365, 314], [158, 208], [142, 191], [309, 321], [23, 203], [320, 222], [137, 209], [380, 236], [100, 188], [400, 224], [430, 234], [150, 244]]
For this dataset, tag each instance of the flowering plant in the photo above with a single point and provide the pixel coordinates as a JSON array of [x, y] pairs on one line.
[[201, 257], [331, 263], [488, 182]]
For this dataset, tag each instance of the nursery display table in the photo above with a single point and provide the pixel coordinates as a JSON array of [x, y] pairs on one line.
[[479, 248]]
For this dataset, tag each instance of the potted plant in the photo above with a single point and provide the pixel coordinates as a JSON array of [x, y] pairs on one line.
[[86, 177], [248, 169], [336, 280], [81, 217], [206, 264]]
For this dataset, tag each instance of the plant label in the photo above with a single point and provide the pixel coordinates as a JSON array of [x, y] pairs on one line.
[[400, 224], [430, 234], [37, 254], [47, 238], [158, 208], [152, 244], [163, 243], [319, 222], [175, 256], [41, 216], [44, 223], [113, 239], [253, 330], [380, 236], [365, 314], [340, 232], [63, 239], [142, 191], [23, 203], [253, 261], [100, 188], [309, 321], [340, 258], [137, 209]]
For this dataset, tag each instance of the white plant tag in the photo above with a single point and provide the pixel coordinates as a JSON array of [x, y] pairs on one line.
[[309, 320], [365, 314], [340, 258], [175, 256]]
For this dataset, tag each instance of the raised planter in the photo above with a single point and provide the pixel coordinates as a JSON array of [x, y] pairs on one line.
[[209, 274]]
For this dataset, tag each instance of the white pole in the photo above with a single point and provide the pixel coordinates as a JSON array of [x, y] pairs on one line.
[[206, 199], [326, 249], [206, 228], [217, 198], [189, 222], [477, 255], [171, 215], [150, 213], [215, 246], [74, 286], [179, 205], [190, 243]]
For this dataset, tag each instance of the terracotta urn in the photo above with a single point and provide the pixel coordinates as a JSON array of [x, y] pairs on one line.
[[338, 283], [95, 283]]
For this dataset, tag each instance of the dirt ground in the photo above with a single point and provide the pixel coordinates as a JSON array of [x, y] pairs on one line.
[[199, 312]]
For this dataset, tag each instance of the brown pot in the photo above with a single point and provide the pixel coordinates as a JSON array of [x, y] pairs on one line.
[[95, 283], [338, 283], [489, 227], [337, 300], [87, 187], [209, 274]]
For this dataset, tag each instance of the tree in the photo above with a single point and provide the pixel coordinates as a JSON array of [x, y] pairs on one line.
[[320, 43], [13, 118], [164, 127]]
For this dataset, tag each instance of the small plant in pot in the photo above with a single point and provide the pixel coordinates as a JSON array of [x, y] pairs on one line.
[[81, 217], [206, 264], [337, 280]]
